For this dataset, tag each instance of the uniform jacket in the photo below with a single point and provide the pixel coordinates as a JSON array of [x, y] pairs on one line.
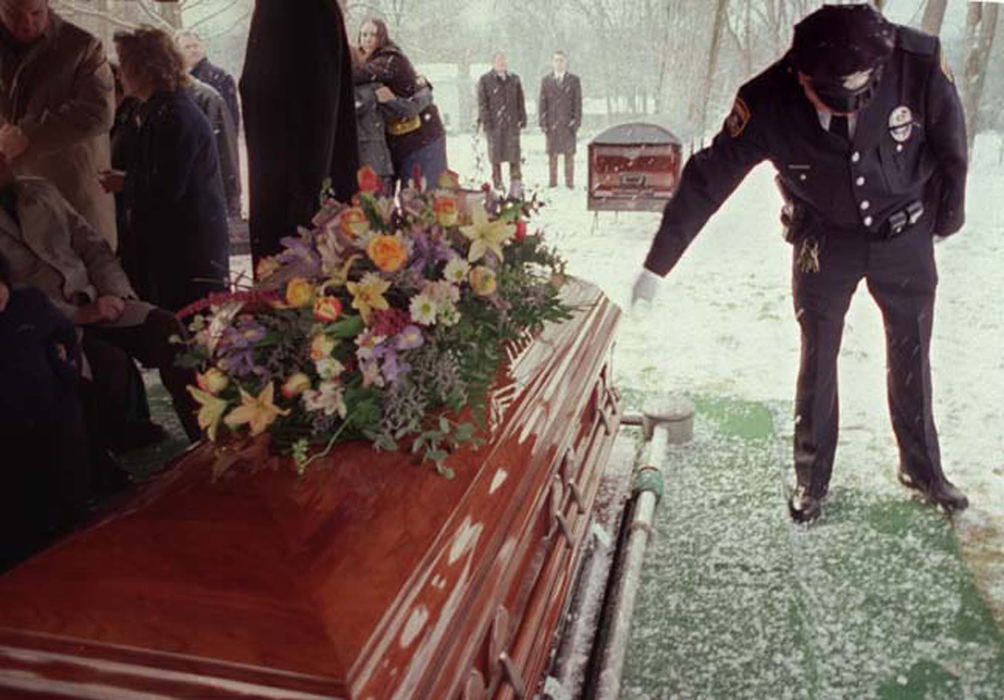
[[215, 108], [909, 145], [55, 250], [299, 116], [60, 93], [371, 124], [560, 111], [389, 66], [502, 113], [223, 83], [174, 196]]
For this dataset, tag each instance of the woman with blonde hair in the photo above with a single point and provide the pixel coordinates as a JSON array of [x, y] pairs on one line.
[[172, 186]]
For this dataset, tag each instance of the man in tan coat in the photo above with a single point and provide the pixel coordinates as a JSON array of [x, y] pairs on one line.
[[50, 247], [57, 103]]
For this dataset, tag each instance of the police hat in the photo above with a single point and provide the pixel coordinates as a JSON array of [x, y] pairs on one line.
[[842, 49]]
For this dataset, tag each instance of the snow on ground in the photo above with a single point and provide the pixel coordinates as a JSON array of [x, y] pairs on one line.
[[723, 325]]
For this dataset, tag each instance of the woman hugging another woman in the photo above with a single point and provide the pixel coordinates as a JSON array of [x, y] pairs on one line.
[[399, 126]]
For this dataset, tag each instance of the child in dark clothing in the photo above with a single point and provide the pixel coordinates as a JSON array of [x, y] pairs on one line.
[[45, 472]]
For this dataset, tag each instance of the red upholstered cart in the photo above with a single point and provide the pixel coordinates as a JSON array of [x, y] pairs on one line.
[[633, 167]]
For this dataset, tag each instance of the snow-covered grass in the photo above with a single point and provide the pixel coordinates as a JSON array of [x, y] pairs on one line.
[[723, 325]]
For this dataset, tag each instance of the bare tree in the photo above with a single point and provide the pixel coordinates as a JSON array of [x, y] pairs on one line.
[[721, 8], [981, 25], [934, 14]]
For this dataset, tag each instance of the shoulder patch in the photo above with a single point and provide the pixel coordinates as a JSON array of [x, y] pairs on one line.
[[738, 118]]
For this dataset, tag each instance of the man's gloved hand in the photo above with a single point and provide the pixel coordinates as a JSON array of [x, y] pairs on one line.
[[645, 286]]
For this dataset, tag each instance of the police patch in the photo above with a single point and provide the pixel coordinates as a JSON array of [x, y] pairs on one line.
[[901, 123], [738, 118]]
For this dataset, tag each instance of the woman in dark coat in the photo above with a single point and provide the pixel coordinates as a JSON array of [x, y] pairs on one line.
[[173, 189], [418, 140], [376, 105]]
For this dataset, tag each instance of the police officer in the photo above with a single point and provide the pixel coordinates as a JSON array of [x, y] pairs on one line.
[[863, 123]]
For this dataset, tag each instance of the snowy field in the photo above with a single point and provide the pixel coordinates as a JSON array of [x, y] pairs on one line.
[[723, 325]]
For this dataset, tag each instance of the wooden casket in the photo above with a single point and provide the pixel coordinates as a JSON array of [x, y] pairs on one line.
[[633, 167], [370, 577]]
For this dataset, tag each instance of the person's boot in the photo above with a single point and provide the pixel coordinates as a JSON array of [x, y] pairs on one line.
[[516, 189], [803, 507], [942, 493]]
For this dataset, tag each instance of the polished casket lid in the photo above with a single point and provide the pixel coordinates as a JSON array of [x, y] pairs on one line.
[[346, 582]]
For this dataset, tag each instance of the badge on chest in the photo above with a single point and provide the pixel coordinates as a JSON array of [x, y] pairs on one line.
[[901, 124]]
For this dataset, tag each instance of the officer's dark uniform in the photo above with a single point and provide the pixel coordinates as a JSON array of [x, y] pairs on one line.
[[859, 200]]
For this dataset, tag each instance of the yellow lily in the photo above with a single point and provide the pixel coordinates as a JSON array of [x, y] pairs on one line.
[[211, 410], [367, 294], [486, 235], [257, 411]]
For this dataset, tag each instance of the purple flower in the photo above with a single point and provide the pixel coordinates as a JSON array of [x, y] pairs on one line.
[[409, 338], [392, 367]]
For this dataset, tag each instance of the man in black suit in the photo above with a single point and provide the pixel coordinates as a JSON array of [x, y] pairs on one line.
[[560, 114]]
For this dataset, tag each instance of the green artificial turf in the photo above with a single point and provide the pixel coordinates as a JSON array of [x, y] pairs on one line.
[[874, 601]]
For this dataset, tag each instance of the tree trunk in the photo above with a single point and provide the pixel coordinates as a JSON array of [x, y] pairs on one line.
[[716, 35], [170, 11], [934, 13], [981, 24]]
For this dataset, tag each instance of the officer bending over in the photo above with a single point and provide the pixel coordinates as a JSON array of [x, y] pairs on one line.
[[863, 123]]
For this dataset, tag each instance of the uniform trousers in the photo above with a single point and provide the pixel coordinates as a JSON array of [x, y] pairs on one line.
[[901, 277]]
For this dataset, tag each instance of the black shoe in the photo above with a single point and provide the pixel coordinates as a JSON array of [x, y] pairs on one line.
[[943, 493], [803, 507]]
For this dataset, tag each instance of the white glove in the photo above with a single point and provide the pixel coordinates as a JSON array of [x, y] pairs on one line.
[[645, 286]]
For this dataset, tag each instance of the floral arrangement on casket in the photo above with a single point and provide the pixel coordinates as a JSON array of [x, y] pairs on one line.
[[384, 321]]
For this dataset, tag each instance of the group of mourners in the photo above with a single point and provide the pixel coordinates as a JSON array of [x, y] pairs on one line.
[[119, 182], [116, 187]]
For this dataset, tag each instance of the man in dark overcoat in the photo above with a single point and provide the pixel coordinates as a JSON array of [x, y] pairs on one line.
[[299, 115], [863, 123], [560, 114], [502, 114], [202, 69]]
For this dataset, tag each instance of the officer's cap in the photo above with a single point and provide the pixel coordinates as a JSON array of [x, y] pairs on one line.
[[837, 41]]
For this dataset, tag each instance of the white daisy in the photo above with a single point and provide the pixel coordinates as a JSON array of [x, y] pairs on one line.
[[423, 309], [456, 270]]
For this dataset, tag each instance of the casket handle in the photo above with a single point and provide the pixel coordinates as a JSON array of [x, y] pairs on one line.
[[605, 418], [474, 688], [511, 676], [564, 528], [555, 499], [499, 633], [569, 464], [577, 496]]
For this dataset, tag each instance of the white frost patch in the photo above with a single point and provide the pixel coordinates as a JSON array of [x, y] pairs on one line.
[[416, 621], [465, 539], [497, 480]]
